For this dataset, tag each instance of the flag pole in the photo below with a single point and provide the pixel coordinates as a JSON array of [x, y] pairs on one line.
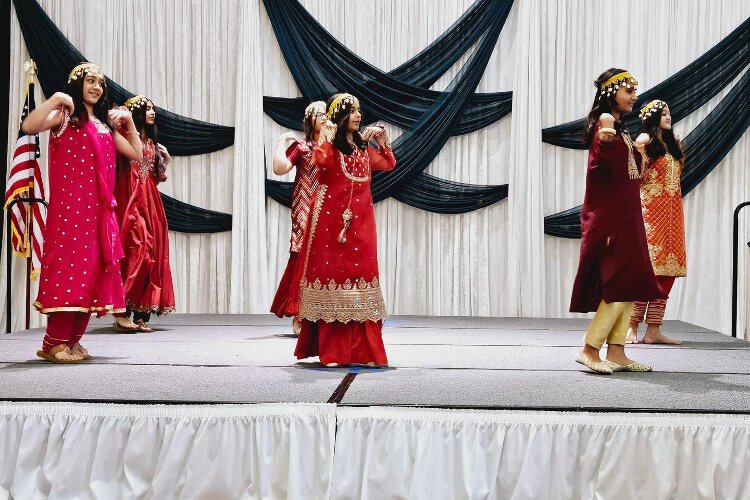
[[30, 67]]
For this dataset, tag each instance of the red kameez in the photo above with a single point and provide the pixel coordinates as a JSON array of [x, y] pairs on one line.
[[341, 303], [145, 238]]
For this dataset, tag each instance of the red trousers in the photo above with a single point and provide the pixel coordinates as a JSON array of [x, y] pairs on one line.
[[65, 327], [654, 310]]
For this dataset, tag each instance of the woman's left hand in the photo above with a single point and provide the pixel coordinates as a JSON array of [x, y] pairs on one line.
[[164, 152]]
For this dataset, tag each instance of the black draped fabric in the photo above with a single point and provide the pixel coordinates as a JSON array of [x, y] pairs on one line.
[[322, 66], [191, 219], [417, 147], [55, 56], [685, 91], [704, 147], [431, 194]]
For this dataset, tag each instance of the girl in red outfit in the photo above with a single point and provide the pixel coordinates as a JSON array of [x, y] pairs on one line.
[[341, 304], [297, 155], [82, 252], [614, 269], [147, 278]]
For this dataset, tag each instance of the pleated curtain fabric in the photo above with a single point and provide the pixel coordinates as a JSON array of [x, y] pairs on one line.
[[496, 261]]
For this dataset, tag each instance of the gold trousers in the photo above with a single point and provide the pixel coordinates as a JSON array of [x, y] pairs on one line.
[[610, 324]]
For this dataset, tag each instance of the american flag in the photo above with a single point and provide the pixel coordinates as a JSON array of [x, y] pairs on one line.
[[25, 180]]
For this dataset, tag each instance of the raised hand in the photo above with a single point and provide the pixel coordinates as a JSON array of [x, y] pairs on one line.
[[328, 131], [370, 132], [120, 117], [63, 101], [642, 140]]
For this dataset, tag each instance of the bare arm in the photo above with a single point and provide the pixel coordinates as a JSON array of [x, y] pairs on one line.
[[281, 164], [130, 145], [48, 115]]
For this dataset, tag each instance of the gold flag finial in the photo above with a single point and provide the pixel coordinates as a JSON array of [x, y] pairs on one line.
[[30, 68]]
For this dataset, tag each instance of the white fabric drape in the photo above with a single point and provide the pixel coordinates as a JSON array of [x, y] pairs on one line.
[[493, 262], [426, 454], [92, 451], [97, 451]]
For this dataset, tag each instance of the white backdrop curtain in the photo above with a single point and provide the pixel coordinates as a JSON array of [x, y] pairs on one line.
[[214, 61]]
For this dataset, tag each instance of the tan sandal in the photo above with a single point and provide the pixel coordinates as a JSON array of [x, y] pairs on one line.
[[78, 349], [60, 354], [143, 327], [125, 325]]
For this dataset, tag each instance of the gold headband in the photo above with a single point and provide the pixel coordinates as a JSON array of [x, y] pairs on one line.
[[651, 108], [136, 102], [615, 82], [339, 102], [84, 69], [319, 106]]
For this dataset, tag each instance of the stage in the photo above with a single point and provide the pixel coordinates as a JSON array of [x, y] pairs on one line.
[[450, 362], [217, 407]]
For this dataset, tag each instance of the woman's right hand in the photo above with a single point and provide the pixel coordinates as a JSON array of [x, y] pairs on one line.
[[328, 131], [63, 100], [642, 140]]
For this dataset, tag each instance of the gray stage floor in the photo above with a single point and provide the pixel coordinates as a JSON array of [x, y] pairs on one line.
[[435, 361]]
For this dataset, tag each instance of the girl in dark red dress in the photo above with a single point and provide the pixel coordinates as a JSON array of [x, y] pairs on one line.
[[147, 278], [614, 269], [297, 155], [341, 304]]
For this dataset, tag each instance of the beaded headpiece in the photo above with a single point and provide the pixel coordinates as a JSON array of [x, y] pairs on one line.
[[85, 69], [615, 82], [315, 107], [340, 106], [136, 102], [652, 107]]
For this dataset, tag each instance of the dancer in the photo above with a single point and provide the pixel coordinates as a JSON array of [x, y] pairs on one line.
[[614, 268], [80, 266], [661, 201], [147, 278], [299, 155], [341, 304]]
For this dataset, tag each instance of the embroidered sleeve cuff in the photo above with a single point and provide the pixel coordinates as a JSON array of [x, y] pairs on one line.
[[607, 133]]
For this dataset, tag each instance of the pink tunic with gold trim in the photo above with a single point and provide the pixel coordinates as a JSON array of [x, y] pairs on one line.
[[80, 265]]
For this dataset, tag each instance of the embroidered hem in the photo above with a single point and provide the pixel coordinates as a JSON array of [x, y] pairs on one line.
[[157, 309], [359, 301], [109, 309]]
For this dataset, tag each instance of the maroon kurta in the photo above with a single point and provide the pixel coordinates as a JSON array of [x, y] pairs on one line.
[[614, 265]]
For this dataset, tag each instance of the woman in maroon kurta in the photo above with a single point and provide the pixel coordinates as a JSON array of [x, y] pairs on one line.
[[147, 278], [341, 304], [614, 269], [297, 155], [80, 266]]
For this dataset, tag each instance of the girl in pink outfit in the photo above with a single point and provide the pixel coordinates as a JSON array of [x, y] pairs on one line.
[[80, 266]]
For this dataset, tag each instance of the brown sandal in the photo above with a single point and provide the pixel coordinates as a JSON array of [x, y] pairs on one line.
[[79, 350], [60, 354], [128, 327], [143, 327]]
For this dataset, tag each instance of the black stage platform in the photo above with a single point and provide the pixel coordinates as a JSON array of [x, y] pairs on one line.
[[445, 362]]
